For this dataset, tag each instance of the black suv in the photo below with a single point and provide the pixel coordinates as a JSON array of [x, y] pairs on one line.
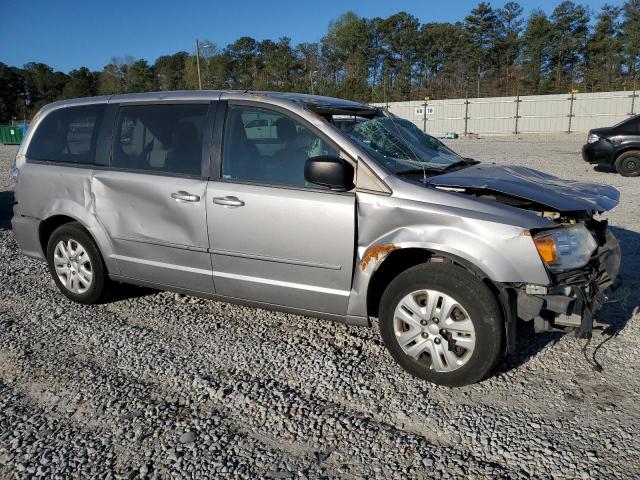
[[617, 146]]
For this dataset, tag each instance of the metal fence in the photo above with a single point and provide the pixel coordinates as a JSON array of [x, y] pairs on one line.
[[571, 112]]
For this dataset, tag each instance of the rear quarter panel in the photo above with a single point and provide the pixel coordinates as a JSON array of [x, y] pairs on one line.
[[44, 190]]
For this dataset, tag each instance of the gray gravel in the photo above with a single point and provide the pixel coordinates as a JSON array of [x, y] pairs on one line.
[[160, 385]]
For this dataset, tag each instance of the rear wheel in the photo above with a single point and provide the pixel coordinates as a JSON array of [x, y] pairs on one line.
[[76, 264], [628, 164], [442, 324]]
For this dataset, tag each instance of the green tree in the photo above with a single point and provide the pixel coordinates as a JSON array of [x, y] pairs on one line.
[[43, 85], [440, 48], [217, 71], [309, 58], [378, 55], [630, 28], [347, 52], [111, 79], [536, 46], [603, 55], [569, 30], [483, 27], [398, 41], [170, 70], [243, 62], [279, 65], [492, 52], [509, 40], [12, 93], [81, 83], [139, 77]]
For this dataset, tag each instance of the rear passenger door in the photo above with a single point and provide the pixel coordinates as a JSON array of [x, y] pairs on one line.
[[151, 200]]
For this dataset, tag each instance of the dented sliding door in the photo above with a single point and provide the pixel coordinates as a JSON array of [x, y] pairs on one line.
[[156, 237]]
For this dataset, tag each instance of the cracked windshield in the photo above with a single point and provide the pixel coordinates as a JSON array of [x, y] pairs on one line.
[[401, 147]]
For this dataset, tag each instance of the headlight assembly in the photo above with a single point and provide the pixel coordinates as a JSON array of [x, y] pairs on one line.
[[565, 247], [592, 138]]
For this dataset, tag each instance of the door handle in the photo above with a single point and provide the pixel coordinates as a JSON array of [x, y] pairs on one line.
[[182, 196], [228, 201]]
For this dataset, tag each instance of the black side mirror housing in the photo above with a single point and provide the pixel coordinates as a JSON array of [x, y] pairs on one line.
[[329, 171]]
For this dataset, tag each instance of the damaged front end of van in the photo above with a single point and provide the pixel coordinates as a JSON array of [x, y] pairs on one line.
[[581, 255]]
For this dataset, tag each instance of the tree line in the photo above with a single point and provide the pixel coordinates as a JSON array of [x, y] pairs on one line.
[[493, 52]]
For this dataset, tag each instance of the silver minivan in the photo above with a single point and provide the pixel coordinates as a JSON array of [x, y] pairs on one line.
[[313, 205]]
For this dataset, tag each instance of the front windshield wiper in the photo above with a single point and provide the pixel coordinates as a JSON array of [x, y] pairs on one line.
[[412, 171], [435, 170], [421, 171]]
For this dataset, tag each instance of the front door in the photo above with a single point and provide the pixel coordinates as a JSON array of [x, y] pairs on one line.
[[275, 238], [152, 200]]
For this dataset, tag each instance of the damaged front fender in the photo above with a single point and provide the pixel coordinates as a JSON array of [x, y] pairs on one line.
[[502, 253]]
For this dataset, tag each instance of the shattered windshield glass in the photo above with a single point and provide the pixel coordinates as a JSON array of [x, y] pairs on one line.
[[402, 147]]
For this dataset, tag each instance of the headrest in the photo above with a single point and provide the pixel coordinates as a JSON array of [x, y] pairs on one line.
[[285, 129]]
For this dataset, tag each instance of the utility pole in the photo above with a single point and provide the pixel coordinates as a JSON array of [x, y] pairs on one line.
[[198, 64], [198, 47]]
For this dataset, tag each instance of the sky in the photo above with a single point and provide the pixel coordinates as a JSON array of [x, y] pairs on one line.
[[74, 33]]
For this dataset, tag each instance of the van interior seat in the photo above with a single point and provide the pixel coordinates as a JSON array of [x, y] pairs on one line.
[[185, 156]]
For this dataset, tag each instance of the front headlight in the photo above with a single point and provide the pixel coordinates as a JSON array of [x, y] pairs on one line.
[[592, 138], [565, 247]]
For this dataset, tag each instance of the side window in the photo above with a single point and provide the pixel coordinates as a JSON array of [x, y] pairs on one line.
[[265, 146], [160, 138], [68, 135]]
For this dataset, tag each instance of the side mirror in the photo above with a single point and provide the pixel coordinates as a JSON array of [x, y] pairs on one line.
[[329, 171]]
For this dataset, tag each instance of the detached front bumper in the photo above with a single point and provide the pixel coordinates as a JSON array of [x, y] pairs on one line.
[[574, 296]]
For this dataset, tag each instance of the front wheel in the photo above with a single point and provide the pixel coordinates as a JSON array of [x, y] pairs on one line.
[[442, 324], [628, 164], [76, 264]]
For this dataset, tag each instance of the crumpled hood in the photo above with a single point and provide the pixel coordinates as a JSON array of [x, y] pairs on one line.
[[529, 184]]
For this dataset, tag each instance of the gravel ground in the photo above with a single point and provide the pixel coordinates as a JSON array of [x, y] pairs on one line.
[[161, 385]]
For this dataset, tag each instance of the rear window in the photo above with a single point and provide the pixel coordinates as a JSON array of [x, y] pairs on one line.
[[160, 138], [68, 135]]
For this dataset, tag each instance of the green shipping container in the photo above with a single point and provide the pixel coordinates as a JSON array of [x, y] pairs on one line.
[[10, 134]]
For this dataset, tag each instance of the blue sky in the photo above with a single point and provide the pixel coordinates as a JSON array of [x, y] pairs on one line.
[[70, 34]]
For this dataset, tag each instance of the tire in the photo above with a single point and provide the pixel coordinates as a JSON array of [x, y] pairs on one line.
[[628, 163], [85, 271], [470, 302]]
